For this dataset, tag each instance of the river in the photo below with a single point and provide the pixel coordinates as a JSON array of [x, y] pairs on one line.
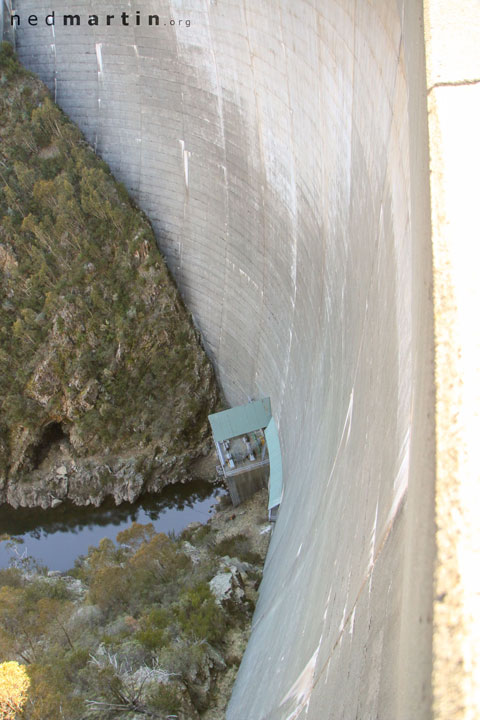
[[56, 537]]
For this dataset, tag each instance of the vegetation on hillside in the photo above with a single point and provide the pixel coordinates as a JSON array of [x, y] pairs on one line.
[[133, 631], [95, 344]]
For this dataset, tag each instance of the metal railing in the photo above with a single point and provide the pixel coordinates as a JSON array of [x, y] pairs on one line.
[[245, 468]]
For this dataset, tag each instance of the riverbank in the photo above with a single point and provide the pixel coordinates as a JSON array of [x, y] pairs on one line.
[[56, 537], [90, 481]]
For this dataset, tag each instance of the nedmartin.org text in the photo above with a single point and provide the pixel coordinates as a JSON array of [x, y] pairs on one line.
[[74, 20]]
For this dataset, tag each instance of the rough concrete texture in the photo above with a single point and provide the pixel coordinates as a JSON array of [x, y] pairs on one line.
[[453, 72], [280, 149]]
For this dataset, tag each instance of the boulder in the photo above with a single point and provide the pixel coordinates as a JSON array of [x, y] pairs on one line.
[[227, 587]]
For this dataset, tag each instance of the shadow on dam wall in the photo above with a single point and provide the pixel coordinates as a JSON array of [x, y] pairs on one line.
[[280, 151]]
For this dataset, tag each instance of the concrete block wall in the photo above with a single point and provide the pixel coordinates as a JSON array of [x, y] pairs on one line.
[[280, 151]]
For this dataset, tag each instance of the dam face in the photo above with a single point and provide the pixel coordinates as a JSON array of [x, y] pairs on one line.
[[280, 151]]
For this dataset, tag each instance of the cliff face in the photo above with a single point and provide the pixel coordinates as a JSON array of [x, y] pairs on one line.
[[104, 386]]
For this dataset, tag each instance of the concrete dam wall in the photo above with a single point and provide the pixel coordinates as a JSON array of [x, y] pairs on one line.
[[280, 151]]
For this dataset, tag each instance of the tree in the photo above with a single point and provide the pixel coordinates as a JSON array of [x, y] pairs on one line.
[[52, 611], [14, 684], [19, 630]]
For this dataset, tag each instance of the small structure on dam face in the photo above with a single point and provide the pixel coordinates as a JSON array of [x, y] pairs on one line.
[[248, 448]]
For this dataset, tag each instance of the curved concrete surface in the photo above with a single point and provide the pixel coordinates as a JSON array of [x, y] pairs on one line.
[[280, 150]]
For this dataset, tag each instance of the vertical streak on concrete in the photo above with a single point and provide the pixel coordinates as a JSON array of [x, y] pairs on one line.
[[453, 63]]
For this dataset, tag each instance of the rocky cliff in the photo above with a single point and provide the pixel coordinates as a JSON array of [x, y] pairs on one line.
[[104, 386]]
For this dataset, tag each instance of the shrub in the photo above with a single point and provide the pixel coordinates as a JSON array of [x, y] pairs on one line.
[[14, 684], [110, 588], [199, 616], [238, 546], [166, 698], [153, 633]]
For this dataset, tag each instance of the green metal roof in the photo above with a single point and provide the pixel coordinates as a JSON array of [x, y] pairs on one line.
[[276, 471], [240, 420]]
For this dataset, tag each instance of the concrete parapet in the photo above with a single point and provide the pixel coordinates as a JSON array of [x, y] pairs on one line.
[[453, 76]]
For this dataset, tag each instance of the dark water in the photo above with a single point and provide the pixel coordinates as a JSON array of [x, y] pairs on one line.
[[55, 537]]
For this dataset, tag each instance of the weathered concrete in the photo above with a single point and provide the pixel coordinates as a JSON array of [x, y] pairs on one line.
[[280, 150], [453, 73], [246, 484]]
